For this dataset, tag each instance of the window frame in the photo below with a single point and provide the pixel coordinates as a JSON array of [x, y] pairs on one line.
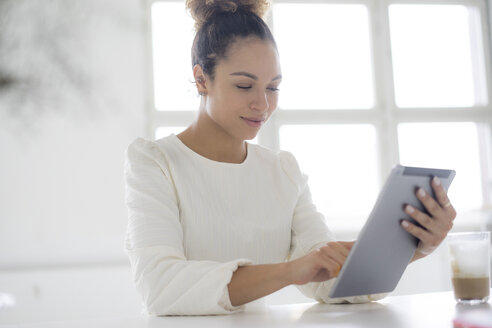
[[385, 115]]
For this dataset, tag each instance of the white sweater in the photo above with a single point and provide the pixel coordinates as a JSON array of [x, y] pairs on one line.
[[193, 221]]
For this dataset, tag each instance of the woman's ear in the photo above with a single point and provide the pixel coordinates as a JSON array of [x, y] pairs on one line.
[[200, 80]]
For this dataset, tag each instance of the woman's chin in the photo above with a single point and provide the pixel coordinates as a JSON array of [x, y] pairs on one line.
[[250, 137]]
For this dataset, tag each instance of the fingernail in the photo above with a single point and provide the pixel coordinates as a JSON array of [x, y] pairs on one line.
[[421, 192], [404, 224], [437, 182], [409, 209]]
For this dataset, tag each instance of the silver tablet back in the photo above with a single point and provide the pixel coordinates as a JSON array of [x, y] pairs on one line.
[[383, 249]]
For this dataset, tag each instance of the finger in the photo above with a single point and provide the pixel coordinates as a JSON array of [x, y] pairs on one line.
[[435, 210], [342, 249], [423, 219], [442, 198], [333, 263], [336, 252], [328, 263], [437, 228], [347, 244], [334, 256], [421, 234], [336, 271], [439, 215], [333, 268]]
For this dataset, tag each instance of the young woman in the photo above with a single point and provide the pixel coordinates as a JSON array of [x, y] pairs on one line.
[[216, 222]]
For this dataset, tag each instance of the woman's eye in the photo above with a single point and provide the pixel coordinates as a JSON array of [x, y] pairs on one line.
[[247, 87]]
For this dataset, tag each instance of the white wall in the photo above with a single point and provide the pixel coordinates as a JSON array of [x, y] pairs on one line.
[[64, 127]]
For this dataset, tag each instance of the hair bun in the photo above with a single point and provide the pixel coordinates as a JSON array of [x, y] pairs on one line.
[[202, 10]]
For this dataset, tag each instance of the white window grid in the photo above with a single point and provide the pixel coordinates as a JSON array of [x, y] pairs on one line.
[[385, 115]]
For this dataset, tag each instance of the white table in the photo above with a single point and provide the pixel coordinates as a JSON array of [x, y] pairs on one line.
[[434, 310]]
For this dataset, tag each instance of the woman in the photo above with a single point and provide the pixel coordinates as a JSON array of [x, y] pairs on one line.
[[216, 222]]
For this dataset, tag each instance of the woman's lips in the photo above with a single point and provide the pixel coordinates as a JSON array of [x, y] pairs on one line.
[[256, 123]]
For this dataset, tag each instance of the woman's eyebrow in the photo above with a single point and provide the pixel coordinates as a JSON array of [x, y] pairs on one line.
[[252, 76]]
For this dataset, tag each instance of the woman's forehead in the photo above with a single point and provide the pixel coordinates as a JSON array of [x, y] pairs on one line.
[[251, 55]]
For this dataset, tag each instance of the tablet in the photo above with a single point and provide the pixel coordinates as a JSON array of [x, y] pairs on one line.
[[383, 248]]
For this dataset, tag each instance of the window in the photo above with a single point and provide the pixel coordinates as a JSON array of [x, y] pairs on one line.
[[434, 60], [367, 84], [336, 176], [172, 37], [335, 73]]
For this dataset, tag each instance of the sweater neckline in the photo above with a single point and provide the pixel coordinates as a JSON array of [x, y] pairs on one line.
[[211, 161]]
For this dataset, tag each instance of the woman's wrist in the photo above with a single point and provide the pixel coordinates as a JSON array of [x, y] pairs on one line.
[[251, 282], [286, 273], [417, 256]]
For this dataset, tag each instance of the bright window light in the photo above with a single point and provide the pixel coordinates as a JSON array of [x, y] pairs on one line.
[[449, 146], [438, 56], [341, 162], [325, 55], [172, 38], [432, 55]]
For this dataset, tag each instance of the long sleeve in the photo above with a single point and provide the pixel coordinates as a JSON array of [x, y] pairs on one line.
[[167, 282], [310, 232]]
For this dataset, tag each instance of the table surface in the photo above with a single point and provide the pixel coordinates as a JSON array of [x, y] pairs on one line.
[[421, 310]]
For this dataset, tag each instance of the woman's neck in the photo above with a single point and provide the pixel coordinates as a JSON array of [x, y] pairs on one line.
[[209, 140]]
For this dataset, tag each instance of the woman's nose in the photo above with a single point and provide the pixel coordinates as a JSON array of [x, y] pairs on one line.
[[260, 102]]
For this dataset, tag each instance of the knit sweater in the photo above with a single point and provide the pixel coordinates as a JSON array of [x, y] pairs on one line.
[[193, 221]]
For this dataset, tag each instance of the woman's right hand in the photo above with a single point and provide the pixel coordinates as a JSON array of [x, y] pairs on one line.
[[319, 265]]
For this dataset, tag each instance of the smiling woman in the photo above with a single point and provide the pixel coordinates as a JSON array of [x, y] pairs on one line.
[[216, 222], [241, 89], [211, 216]]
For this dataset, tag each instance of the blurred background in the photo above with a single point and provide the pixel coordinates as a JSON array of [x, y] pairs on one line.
[[367, 84]]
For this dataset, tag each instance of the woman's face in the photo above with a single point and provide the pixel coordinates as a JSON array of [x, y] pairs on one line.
[[244, 93]]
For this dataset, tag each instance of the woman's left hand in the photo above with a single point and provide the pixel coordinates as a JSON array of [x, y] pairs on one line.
[[437, 223]]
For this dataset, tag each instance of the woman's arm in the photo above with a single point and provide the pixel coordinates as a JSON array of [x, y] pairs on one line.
[[249, 283], [417, 256]]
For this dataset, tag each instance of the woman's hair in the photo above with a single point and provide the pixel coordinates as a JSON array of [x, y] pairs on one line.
[[219, 23]]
